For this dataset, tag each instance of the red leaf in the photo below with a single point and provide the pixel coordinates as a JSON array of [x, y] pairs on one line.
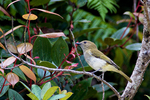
[[12, 78]]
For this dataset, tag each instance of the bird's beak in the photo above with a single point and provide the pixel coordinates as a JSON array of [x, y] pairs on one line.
[[78, 43]]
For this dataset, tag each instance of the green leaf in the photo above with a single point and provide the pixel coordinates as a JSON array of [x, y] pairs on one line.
[[19, 73], [134, 46], [25, 86], [38, 2], [32, 96], [42, 49], [118, 34], [46, 64], [112, 41], [91, 93], [129, 13], [147, 96], [36, 90], [41, 72], [5, 88], [119, 59], [80, 90], [79, 33], [98, 87], [81, 3], [45, 88], [56, 97], [59, 51], [14, 95], [50, 92], [21, 7]]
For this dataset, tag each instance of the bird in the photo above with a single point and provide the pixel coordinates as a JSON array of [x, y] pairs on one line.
[[97, 60]]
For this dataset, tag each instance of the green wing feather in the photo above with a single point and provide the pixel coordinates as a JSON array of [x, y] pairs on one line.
[[96, 53]]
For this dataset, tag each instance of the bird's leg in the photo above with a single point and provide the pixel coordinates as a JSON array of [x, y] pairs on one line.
[[96, 71]]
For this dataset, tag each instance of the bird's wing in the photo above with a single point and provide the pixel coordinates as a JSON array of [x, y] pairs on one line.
[[96, 53]]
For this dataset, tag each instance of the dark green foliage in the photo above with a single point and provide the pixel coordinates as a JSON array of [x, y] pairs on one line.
[[59, 51], [42, 49]]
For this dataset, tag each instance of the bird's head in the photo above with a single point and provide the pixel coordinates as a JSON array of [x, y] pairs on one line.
[[85, 45]]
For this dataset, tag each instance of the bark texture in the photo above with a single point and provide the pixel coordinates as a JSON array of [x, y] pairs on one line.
[[143, 58]]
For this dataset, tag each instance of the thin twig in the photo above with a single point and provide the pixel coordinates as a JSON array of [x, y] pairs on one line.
[[103, 86], [76, 48], [12, 22]]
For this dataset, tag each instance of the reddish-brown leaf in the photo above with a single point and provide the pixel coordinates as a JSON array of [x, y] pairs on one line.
[[24, 47], [52, 35], [46, 11], [4, 11], [2, 46], [12, 3], [12, 78], [8, 62], [28, 72], [11, 30]]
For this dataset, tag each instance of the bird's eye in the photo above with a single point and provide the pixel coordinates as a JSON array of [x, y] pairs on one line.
[[84, 42]]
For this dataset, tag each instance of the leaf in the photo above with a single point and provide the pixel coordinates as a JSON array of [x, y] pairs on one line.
[[5, 88], [1, 71], [45, 88], [13, 94], [12, 3], [147, 96], [30, 59], [118, 34], [28, 72], [129, 13], [41, 73], [51, 35], [134, 46], [112, 41], [32, 96], [46, 11], [59, 51], [2, 46], [12, 78], [4, 11], [79, 33], [42, 49], [50, 92], [25, 86], [38, 2], [56, 97], [119, 59], [29, 16], [46, 64], [8, 62], [36, 90], [11, 30], [80, 90], [24, 47], [68, 94], [98, 87], [19, 73]]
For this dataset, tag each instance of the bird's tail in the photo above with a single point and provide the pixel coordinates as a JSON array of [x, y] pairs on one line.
[[123, 74]]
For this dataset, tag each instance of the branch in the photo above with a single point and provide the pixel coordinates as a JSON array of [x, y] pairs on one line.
[[67, 70], [142, 61]]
